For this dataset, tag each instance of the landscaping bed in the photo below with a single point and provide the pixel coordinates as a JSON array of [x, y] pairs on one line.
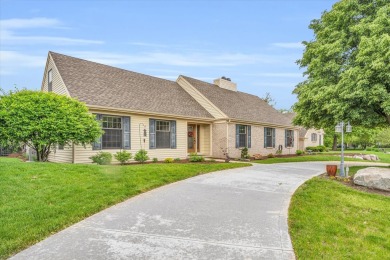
[[349, 181], [40, 199]]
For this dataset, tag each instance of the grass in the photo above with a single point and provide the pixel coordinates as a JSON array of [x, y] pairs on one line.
[[326, 156], [39, 199], [329, 220]]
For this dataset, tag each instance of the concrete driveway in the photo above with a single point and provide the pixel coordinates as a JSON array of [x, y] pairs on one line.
[[231, 214]]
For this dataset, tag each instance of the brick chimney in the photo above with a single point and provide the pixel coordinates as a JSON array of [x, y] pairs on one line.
[[226, 83]]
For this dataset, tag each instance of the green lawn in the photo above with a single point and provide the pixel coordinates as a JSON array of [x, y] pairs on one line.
[[326, 156], [329, 220], [39, 199]]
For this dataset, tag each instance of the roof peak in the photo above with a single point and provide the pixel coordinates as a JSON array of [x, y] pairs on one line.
[[102, 64]]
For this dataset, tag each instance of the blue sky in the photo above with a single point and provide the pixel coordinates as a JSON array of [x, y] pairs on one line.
[[255, 43]]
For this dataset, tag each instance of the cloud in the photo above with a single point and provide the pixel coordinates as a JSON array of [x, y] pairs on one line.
[[198, 59], [10, 27], [12, 61], [288, 45], [39, 22]]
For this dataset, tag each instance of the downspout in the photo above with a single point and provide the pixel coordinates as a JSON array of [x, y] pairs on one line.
[[227, 135], [73, 153]]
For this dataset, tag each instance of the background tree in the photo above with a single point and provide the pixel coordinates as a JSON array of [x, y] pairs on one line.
[[268, 98], [42, 120], [383, 137], [347, 67]]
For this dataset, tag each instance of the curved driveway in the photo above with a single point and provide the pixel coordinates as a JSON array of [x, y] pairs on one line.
[[232, 214]]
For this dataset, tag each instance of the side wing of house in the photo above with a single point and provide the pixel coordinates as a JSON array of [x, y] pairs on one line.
[[313, 137], [230, 133]]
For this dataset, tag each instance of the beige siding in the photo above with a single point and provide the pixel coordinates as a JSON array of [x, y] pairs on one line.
[[82, 154], [257, 141], [62, 156], [201, 99], [307, 140], [204, 139], [58, 85]]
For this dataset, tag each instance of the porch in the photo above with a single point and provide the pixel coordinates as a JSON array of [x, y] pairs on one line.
[[199, 138]]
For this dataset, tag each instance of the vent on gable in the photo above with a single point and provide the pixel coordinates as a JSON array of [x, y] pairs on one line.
[[225, 83]]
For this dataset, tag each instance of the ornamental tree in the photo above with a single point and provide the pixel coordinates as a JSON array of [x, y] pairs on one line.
[[347, 65], [42, 120]]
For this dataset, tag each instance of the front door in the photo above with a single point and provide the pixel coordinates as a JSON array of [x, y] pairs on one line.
[[191, 133]]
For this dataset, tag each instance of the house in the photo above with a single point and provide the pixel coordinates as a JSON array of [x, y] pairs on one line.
[[308, 137], [170, 119]]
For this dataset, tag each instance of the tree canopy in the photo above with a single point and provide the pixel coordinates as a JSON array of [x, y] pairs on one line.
[[43, 120], [347, 66]]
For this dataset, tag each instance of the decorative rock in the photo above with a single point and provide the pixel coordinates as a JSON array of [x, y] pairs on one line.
[[373, 177], [358, 157], [374, 157], [367, 157]]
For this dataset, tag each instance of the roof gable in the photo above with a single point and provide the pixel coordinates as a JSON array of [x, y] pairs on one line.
[[239, 105]]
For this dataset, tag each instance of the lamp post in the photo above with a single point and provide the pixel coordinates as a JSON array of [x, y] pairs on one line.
[[340, 129]]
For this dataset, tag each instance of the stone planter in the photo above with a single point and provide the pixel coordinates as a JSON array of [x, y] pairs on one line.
[[331, 170]]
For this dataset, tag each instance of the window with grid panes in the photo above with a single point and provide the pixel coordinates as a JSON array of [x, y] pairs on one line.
[[290, 138], [112, 137], [243, 136], [268, 137], [163, 134]]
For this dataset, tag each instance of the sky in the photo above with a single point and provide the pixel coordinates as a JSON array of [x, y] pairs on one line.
[[255, 43]]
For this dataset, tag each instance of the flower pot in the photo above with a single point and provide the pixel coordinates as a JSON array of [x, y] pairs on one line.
[[331, 170]]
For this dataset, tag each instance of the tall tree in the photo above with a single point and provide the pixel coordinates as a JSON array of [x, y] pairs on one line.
[[43, 120], [347, 65]]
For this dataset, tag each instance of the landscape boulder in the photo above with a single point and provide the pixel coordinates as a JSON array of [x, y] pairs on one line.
[[373, 177], [374, 157], [367, 157]]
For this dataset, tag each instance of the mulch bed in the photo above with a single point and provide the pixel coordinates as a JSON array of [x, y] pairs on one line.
[[350, 183]]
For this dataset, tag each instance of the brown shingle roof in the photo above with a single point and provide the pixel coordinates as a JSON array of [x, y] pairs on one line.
[[102, 85], [239, 105]]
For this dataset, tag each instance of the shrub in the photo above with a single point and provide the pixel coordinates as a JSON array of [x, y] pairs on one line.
[[279, 152], [155, 159], [123, 156], [320, 148], [299, 152], [168, 160], [270, 155], [244, 153], [177, 159], [102, 158], [194, 157], [141, 156]]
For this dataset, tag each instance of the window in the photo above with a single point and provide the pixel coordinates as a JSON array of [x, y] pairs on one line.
[[112, 137], [269, 137], [289, 138], [49, 81], [243, 136], [163, 134], [314, 137]]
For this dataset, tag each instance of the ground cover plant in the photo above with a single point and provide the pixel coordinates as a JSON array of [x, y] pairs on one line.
[[39, 199], [328, 220]]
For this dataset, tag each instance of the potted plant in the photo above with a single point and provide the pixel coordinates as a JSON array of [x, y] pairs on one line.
[[331, 170]]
